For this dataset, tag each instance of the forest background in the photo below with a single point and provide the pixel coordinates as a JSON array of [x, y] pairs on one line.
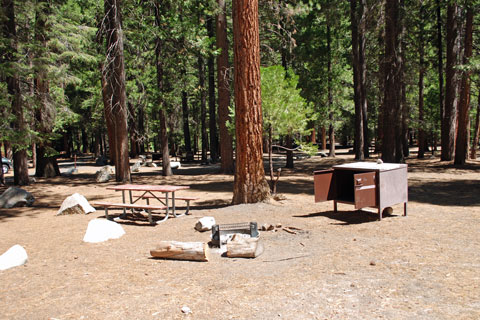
[[378, 75]]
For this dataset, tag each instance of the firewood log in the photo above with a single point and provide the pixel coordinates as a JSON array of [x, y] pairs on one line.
[[239, 247], [197, 251]]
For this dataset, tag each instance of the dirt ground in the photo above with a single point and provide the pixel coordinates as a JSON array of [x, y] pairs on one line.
[[343, 265]]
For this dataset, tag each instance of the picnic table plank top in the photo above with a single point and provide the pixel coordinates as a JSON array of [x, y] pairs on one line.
[[146, 187]]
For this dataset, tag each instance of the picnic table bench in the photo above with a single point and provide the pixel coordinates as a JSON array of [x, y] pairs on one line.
[[144, 208], [186, 199]]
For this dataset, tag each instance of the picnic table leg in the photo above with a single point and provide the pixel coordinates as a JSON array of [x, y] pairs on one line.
[[166, 202], [106, 213], [173, 204], [124, 209]]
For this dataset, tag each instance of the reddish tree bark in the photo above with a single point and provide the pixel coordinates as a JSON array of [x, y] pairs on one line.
[[392, 88], [450, 112], [250, 185]]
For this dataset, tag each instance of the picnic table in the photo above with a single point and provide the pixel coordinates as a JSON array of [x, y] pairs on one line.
[[147, 192]]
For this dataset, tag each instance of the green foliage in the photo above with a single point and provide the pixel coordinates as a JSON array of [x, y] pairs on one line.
[[284, 109]]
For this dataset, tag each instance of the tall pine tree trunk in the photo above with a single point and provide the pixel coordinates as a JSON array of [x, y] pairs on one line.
[[107, 110], [461, 146], [450, 109], [211, 96], [440, 64], [421, 74], [203, 107], [223, 77], [476, 132], [186, 127], [116, 80], [20, 166], [47, 165], [250, 185], [159, 46], [331, 132], [357, 80], [391, 87]]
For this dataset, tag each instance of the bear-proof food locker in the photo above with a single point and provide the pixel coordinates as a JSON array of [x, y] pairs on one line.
[[363, 184]]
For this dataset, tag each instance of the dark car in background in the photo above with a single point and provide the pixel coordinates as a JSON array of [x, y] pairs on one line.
[[6, 165]]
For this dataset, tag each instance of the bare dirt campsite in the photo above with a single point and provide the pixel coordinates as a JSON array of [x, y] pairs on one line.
[[344, 265]]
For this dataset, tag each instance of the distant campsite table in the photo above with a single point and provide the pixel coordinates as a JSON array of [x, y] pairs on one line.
[[150, 192]]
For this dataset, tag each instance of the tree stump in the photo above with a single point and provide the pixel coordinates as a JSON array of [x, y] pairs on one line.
[[196, 251]]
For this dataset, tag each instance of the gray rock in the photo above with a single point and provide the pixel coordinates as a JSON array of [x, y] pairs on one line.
[[136, 166], [142, 158], [104, 174], [16, 197], [151, 164], [322, 154], [101, 161], [75, 204]]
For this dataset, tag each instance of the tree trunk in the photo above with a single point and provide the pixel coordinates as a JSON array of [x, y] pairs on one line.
[[20, 166], [132, 130], [196, 251], [357, 80], [211, 96], [289, 145], [392, 87], [250, 185], [449, 119], [186, 127], [323, 134], [331, 136], [109, 119], [421, 73], [461, 146], [116, 80], [45, 113], [166, 168], [223, 80], [203, 108], [476, 132], [440, 65]]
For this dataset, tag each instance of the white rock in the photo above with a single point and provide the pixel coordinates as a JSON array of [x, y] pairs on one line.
[[186, 310], [175, 164], [205, 224], [100, 230], [75, 204], [13, 257]]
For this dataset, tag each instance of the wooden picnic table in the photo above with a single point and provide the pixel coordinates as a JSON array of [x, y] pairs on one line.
[[148, 191]]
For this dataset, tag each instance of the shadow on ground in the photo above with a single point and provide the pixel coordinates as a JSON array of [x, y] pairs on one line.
[[347, 217], [446, 193]]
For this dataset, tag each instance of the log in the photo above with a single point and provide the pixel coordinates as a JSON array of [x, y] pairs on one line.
[[239, 247], [196, 251]]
